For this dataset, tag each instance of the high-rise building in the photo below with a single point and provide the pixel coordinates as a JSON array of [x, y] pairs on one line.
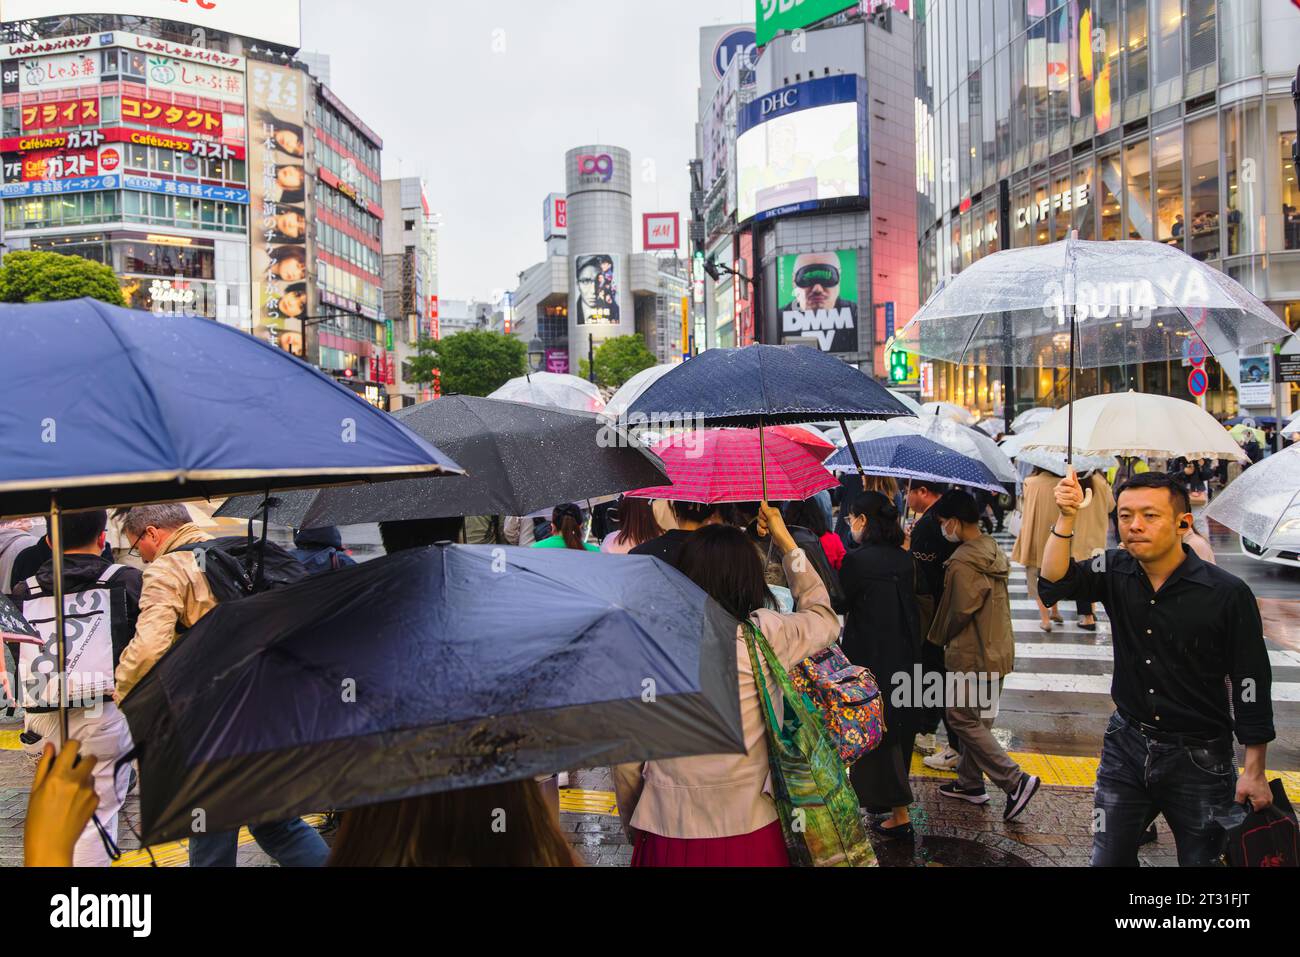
[[805, 223], [410, 279], [1161, 120], [211, 170], [593, 285]]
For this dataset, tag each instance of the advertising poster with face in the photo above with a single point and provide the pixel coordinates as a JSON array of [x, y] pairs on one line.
[[277, 172], [818, 298], [596, 290]]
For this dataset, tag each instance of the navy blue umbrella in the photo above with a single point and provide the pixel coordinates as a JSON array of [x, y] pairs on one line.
[[109, 406], [763, 385], [102, 406], [438, 669], [767, 385], [915, 458]]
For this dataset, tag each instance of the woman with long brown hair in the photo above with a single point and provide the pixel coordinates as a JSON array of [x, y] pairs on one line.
[[713, 810], [636, 526], [498, 825]]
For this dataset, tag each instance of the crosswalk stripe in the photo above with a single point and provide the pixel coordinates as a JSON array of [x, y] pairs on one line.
[[1282, 691]]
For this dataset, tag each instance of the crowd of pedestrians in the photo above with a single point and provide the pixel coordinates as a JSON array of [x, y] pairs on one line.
[[907, 580]]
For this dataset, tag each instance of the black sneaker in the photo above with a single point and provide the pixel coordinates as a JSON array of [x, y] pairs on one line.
[[1018, 799], [969, 795]]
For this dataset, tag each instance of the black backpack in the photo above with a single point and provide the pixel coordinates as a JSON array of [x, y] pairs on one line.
[[240, 567]]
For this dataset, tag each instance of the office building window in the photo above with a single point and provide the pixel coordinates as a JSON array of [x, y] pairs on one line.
[[1110, 178], [1203, 189], [1137, 190], [1166, 53], [1171, 223], [1136, 100], [1241, 152]]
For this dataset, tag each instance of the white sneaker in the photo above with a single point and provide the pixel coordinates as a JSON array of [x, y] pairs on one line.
[[562, 779], [946, 761], [925, 744]]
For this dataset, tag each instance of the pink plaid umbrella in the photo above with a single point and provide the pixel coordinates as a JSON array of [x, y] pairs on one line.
[[723, 465]]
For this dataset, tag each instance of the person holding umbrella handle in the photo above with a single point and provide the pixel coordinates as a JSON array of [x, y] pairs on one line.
[[1182, 629]]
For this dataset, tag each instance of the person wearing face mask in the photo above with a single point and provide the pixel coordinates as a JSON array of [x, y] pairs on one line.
[[973, 626], [882, 632], [930, 550]]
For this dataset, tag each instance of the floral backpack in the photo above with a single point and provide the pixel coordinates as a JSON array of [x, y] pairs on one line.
[[847, 696]]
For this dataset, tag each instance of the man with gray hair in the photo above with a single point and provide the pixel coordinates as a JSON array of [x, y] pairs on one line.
[[176, 594]]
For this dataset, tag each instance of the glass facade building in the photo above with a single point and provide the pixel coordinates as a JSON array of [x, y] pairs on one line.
[[1162, 120]]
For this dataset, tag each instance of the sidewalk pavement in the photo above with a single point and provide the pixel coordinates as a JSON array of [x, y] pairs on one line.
[[1053, 831]]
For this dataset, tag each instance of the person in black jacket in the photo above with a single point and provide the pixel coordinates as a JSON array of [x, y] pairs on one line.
[[883, 634]]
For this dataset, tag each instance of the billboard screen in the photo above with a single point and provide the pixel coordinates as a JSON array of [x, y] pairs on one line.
[[800, 146], [277, 21], [817, 295], [596, 290], [775, 16], [277, 178]]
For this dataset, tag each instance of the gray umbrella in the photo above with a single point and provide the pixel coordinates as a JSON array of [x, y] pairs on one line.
[[519, 458]]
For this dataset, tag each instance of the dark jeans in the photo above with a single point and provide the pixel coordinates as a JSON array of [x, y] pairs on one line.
[[1140, 778], [292, 843]]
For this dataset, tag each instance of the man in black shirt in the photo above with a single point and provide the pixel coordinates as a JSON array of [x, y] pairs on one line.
[[1191, 668], [689, 516]]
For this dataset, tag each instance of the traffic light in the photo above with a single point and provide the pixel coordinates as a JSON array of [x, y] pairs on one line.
[[899, 365]]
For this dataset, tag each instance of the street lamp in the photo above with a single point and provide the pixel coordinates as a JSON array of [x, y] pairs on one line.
[[536, 355]]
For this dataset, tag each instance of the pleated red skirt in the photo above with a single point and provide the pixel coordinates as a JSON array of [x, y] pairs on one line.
[[762, 848]]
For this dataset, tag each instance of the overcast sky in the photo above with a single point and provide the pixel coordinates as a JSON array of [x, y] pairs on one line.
[[483, 100]]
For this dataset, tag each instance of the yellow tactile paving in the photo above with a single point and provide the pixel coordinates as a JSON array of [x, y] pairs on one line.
[[1078, 772], [9, 741], [176, 854], [578, 801]]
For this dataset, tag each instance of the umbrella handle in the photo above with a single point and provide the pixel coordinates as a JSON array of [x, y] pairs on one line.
[[1087, 500]]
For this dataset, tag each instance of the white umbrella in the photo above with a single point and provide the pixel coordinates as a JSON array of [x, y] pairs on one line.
[[912, 405], [1263, 504], [554, 389], [1292, 425], [948, 410], [631, 390], [1141, 425], [992, 427], [961, 439], [1031, 419]]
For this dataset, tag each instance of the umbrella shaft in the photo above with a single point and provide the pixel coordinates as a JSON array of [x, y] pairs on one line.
[[56, 548]]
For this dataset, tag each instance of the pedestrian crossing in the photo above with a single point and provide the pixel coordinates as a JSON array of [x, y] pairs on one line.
[[1078, 664]]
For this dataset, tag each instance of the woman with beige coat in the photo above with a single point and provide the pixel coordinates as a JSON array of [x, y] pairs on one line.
[[1039, 513], [717, 810]]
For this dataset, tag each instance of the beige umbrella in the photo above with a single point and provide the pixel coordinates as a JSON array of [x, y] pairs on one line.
[[1140, 425]]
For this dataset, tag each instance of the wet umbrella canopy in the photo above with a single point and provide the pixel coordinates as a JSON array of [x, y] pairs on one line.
[[916, 458], [427, 671], [770, 385], [1263, 505], [1132, 302], [958, 438], [555, 389], [519, 457], [109, 407]]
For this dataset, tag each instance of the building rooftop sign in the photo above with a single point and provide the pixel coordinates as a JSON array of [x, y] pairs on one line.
[[275, 21]]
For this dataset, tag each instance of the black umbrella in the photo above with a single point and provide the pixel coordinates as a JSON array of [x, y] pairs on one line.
[[520, 458], [764, 385], [427, 671]]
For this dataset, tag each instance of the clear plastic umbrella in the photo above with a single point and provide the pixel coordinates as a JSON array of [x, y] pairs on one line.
[[1013, 445], [948, 410], [1263, 505], [1055, 463], [960, 438], [1086, 305], [631, 390], [912, 405], [992, 426], [1031, 419], [555, 389]]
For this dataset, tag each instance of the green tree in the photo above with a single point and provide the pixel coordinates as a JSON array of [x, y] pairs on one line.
[[471, 363], [51, 277], [617, 360]]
